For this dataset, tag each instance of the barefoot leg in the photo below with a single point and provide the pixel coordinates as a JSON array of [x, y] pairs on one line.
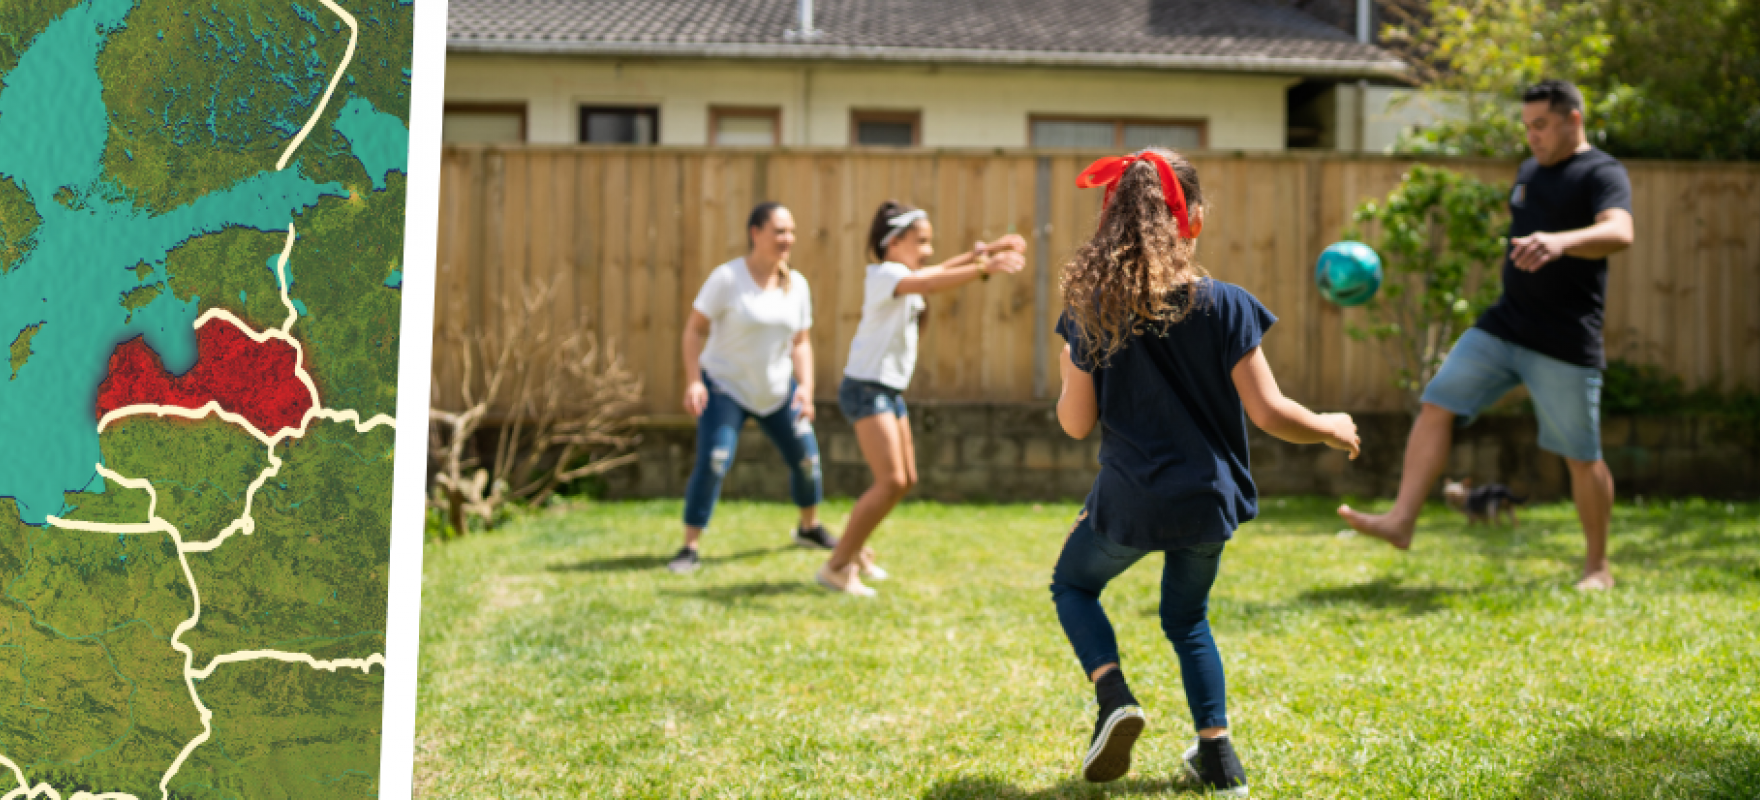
[[1592, 489], [1426, 453]]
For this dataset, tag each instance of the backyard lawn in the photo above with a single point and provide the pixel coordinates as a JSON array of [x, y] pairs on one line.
[[561, 659]]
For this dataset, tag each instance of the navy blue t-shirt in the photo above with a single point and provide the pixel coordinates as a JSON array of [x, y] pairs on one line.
[[1173, 448]]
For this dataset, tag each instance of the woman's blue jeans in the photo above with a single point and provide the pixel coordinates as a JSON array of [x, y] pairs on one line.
[[1090, 561], [718, 439]]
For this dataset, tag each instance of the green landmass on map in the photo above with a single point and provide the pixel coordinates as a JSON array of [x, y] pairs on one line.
[[351, 332], [21, 347], [287, 731], [92, 697], [143, 271], [137, 298], [315, 572], [21, 22], [200, 469], [219, 267], [18, 221], [116, 504]]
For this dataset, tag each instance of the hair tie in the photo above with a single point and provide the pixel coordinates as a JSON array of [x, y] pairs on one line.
[[1109, 171], [899, 224]]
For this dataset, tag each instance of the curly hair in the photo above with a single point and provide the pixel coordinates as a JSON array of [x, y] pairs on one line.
[[1126, 280]]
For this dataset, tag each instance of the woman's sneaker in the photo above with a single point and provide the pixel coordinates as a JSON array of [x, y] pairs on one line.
[[844, 580], [1212, 763], [815, 537], [685, 562], [866, 561]]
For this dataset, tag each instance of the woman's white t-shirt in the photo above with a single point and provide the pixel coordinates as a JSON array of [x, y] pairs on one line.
[[751, 333], [885, 348]]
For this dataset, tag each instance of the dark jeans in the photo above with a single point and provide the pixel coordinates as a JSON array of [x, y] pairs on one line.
[[718, 440], [1090, 561]]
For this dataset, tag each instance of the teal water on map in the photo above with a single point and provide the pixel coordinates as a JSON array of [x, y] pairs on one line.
[[376, 138], [54, 124]]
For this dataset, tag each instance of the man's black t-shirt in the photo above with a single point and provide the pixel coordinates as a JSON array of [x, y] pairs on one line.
[[1557, 310]]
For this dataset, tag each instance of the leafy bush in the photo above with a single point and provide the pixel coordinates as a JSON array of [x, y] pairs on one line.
[[1440, 238]]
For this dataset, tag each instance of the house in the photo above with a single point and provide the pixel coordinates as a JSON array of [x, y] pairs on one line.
[[1218, 74]]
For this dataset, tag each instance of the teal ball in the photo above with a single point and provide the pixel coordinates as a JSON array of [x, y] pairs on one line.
[[1348, 273]]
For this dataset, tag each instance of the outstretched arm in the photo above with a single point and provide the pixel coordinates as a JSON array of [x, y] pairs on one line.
[[1284, 418], [1611, 233], [1003, 255], [1077, 408]]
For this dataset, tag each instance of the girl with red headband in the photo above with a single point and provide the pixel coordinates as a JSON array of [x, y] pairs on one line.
[[881, 359], [1167, 362]]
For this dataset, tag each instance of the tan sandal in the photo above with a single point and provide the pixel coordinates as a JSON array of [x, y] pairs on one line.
[[845, 581]]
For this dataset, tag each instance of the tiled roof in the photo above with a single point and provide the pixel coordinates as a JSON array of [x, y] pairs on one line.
[[1232, 35]]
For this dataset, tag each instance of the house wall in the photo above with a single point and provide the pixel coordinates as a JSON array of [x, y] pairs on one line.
[[961, 106]]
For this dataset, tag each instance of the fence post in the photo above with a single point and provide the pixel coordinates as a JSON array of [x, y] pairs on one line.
[[1041, 273]]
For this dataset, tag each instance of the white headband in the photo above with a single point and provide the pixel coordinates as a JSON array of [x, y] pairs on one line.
[[899, 224]]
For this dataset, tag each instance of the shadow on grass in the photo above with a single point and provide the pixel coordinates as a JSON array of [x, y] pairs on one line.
[[1383, 593], [639, 563], [734, 593], [993, 788], [1646, 766]]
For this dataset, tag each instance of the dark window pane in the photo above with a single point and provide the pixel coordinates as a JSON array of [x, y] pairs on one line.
[[617, 126], [896, 134]]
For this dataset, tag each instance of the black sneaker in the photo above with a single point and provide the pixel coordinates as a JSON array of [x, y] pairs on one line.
[[685, 562], [1116, 729], [815, 537], [1212, 763]]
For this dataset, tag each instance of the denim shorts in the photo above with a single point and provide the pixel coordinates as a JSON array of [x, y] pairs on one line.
[[858, 399], [1481, 368]]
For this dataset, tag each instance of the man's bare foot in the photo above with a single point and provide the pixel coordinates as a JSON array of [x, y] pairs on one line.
[[1380, 526], [1597, 581]]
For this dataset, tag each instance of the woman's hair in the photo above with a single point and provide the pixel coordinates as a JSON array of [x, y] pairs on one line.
[[761, 216], [881, 227], [1124, 280]]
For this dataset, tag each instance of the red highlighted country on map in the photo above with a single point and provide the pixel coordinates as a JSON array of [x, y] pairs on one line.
[[254, 380]]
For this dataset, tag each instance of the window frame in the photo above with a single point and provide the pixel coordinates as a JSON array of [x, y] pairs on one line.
[[857, 116], [492, 107], [581, 110], [716, 113], [1119, 123]]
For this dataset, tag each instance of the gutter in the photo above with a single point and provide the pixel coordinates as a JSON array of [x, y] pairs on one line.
[[1389, 68]]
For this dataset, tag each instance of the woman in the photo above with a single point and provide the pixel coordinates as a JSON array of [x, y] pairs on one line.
[[881, 359], [746, 354]]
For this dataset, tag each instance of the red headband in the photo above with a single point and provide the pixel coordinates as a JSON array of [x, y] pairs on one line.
[[1107, 172]]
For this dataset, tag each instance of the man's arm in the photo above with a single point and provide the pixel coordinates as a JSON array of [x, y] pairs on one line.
[[1611, 233]]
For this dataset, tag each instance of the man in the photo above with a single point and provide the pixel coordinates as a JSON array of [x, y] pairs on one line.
[[1570, 210]]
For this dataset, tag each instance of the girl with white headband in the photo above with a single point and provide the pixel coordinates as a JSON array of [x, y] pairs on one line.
[[881, 359]]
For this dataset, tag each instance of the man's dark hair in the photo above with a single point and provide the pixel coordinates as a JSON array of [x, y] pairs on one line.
[[1561, 97]]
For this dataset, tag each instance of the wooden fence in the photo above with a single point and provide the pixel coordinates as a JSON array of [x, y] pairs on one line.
[[627, 236]]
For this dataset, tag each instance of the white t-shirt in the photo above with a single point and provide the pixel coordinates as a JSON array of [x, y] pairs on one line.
[[751, 334], [885, 348]]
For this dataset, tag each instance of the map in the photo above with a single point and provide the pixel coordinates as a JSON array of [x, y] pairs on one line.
[[201, 225]]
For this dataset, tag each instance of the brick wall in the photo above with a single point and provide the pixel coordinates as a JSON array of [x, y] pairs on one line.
[[974, 451]]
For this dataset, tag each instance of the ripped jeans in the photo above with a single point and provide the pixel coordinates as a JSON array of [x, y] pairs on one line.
[[718, 439]]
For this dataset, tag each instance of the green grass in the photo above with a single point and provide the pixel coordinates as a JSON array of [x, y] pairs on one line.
[[560, 659]]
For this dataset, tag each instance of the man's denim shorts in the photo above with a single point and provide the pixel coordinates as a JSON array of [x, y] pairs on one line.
[[1482, 368], [858, 399]]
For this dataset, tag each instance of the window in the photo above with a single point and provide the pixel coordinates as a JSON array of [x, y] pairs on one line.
[[1123, 134], [607, 125], [886, 128], [745, 127], [483, 123]]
